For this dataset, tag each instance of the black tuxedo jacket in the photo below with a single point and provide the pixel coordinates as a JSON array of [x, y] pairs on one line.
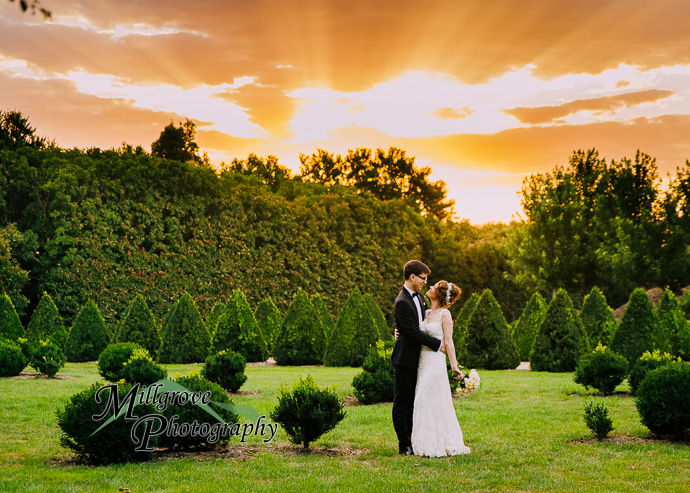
[[410, 338]]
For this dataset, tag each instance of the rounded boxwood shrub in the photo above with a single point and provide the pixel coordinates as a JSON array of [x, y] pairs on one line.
[[302, 338], [663, 400], [113, 358], [602, 369], [189, 412], [238, 331], [226, 369], [46, 324], [527, 325], [184, 338], [12, 359], [112, 444], [376, 382], [646, 363], [11, 327], [307, 411], [138, 325], [140, 368], [88, 336], [639, 328], [47, 358], [597, 318]]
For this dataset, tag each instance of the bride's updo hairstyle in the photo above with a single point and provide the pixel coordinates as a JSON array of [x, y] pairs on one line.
[[442, 290]]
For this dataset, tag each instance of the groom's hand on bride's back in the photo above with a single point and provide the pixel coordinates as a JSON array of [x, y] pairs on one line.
[[396, 334]]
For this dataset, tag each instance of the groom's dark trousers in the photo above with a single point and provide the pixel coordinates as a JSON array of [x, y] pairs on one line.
[[405, 359]]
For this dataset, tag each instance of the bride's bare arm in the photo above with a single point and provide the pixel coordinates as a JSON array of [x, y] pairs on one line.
[[447, 323]]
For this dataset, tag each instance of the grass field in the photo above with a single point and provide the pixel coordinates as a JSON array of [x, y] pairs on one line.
[[525, 430]]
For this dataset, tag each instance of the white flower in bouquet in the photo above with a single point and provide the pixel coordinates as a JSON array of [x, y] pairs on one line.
[[470, 383]]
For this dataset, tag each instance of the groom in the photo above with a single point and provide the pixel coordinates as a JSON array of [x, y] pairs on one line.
[[409, 311]]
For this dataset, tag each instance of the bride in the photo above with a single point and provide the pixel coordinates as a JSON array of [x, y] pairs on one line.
[[435, 428]]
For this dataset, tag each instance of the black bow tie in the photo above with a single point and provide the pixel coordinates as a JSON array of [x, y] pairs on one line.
[[415, 295]]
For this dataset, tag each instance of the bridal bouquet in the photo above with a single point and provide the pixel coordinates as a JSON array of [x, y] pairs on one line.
[[470, 383]]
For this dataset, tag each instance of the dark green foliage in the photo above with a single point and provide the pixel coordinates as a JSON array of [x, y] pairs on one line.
[[302, 339], [12, 359], [452, 378], [212, 319], [526, 328], [88, 336], [323, 314], [602, 369], [597, 318], [558, 345], [13, 278], [189, 412], [597, 420], [488, 343], [10, 326], [355, 333], [674, 325], [269, 321], [140, 368], [646, 363], [238, 331], [46, 324], [376, 382], [663, 400], [684, 303], [113, 443], [306, 411], [226, 369], [112, 359], [139, 326], [639, 328], [460, 329], [375, 312], [184, 338], [47, 358], [177, 143]]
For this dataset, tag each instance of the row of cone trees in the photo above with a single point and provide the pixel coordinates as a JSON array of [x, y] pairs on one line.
[[306, 335], [553, 337]]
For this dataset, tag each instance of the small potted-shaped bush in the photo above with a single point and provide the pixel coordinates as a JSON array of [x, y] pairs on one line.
[[663, 400], [602, 369], [112, 359], [47, 358], [376, 382], [226, 369], [646, 363], [140, 368], [597, 420], [12, 359], [307, 411]]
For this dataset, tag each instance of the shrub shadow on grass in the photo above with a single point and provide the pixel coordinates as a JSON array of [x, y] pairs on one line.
[[620, 393], [25, 375], [620, 439]]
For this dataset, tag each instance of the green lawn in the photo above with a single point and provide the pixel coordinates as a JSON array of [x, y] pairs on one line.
[[523, 429]]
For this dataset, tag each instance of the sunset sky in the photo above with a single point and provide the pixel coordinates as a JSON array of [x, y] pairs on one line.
[[483, 92]]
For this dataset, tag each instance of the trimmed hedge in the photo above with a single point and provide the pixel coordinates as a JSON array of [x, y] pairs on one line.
[[213, 317], [323, 314], [597, 318], [355, 333], [602, 369], [269, 320], [226, 369], [238, 331], [88, 337], [638, 330], [12, 359], [663, 400], [460, 329], [140, 368], [46, 324], [558, 345], [376, 382], [139, 326], [184, 338], [646, 363], [488, 343], [674, 325], [112, 359], [302, 338], [375, 312], [47, 358], [11, 327], [527, 326]]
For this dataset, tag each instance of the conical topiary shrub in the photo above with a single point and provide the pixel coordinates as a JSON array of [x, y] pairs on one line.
[[558, 345], [46, 324], [597, 318], [238, 331], [302, 338], [674, 325], [213, 317], [323, 314], [184, 338], [269, 320], [11, 327], [341, 349], [488, 343], [527, 326], [139, 326], [460, 326], [384, 331], [88, 336], [639, 329]]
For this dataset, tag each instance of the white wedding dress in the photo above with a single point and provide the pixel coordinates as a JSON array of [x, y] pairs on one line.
[[435, 430]]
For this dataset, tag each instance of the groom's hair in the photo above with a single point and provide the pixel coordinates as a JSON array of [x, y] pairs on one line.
[[415, 267]]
